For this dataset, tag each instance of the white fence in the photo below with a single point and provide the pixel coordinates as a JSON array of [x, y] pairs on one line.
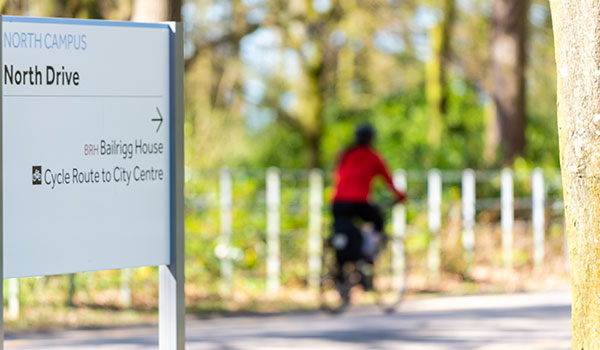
[[538, 183]]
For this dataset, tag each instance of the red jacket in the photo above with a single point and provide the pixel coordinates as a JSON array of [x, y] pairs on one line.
[[356, 171]]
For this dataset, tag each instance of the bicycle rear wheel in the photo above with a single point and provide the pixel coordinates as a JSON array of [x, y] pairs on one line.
[[335, 295], [336, 283]]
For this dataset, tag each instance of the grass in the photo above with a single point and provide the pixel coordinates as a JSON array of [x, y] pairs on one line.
[[97, 298]]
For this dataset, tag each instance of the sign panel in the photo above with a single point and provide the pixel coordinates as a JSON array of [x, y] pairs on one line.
[[85, 142]]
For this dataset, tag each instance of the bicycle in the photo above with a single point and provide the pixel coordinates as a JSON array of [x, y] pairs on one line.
[[338, 282]]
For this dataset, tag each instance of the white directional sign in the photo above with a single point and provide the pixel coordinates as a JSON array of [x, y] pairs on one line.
[[85, 145]]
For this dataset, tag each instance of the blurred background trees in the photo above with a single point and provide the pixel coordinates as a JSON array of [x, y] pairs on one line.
[[448, 83], [509, 32]]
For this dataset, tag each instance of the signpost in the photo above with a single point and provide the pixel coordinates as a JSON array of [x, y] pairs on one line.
[[92, 152]]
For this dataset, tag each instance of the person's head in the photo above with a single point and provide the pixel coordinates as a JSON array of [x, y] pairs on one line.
[[364, 134]]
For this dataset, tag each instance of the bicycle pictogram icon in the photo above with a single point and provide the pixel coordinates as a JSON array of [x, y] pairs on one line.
[[36, 175]]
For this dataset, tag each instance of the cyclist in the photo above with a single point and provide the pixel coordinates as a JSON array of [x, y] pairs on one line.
[[357, 166]]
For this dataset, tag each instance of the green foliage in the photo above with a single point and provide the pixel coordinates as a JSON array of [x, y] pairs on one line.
[[542, 140], [402, 125], [276, 146]]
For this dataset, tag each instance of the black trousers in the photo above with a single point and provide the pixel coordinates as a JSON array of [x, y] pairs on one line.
[[345, 214], [366, 212]]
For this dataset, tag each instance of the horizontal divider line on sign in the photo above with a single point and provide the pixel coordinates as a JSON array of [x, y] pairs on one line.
[[83, 96]]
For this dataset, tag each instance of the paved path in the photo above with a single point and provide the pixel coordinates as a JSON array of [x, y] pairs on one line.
[[518, 321]]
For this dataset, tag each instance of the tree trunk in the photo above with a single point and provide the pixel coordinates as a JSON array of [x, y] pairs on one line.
[[156, 10], [436, 82], [314, 151], [577, 41], [509, 28]]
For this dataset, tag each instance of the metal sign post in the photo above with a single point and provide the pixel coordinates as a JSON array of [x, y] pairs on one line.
[[171, 294]]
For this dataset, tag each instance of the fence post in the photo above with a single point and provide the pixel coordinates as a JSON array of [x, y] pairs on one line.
[[507, 217], [434, 220], [13, 299], [315, 202], [468, 216], [226, 203], [273, 201], [126, 287], [537, 216], [399, 235], [71, 294]]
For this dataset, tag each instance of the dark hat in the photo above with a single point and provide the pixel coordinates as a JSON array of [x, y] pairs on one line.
[[364, 134]]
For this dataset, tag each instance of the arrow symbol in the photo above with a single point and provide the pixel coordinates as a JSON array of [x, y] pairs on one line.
[[160, 120]]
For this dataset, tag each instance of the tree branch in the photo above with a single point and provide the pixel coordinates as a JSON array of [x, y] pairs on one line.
[[285, 118]]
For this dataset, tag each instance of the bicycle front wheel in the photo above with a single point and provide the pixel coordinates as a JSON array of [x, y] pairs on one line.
[[390, 282]]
